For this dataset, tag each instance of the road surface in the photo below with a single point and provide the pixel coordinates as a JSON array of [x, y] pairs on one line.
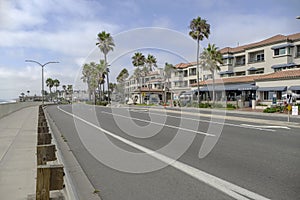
[[250, 160]]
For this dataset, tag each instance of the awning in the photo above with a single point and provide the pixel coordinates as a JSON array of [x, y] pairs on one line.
[[282, 46], [227, 56], [283, 65], [226, 72], [295, 87], [228, 87], [279, 88], [252, 69]]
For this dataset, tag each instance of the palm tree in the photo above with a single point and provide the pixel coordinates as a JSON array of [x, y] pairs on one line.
[[70, 91], [211, 59], [199, 29], [137, 76], [87, 77], [105, 44], [169, 68], [64, 87], [100, 73], [56, 84], [150, 62], [123, 75], [50, 84], [138, 60]]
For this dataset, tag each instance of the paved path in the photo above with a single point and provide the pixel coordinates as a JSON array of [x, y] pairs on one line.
[[18, 132]]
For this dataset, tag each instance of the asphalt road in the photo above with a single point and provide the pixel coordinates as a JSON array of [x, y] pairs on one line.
[[248, 161]]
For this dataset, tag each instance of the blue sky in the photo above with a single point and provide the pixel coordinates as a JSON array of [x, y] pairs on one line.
[[66, 30]]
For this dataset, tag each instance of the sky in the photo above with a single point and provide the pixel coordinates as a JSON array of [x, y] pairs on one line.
[[66, 31]]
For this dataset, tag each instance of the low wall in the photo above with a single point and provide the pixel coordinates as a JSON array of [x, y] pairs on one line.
[[8, 108]]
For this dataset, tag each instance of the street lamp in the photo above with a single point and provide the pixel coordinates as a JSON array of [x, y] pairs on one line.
[[298, 17], [42, 65], [108, 95]]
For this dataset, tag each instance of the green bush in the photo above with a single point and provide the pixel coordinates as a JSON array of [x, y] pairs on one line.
[[230, 106], [270, 110], [204, 105], [218, 105], [102, 103]]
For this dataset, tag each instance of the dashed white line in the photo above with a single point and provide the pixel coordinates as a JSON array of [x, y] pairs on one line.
[[226, 187], [160, 124], [263, 126], [214, 122]]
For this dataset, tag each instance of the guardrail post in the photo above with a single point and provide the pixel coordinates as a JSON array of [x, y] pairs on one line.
[[49, 177], [45, 153]]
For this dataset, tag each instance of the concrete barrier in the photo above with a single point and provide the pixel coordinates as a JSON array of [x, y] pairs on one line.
[[8, 108]]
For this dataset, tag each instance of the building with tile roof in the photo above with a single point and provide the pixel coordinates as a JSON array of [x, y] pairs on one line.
[[261, 70], [247, 69]]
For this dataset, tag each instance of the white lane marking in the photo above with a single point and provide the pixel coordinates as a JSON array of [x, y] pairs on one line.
[[226, 187], [265, 126], [166, 125], [228, 124]]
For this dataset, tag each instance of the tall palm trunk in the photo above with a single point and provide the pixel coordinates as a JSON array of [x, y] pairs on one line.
[[107, 78], [139, 85], [214, 95], [198, 87]]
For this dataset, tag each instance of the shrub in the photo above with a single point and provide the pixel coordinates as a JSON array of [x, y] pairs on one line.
[[230, 106], [204, 105], [270, 110], [217, 105], [102, 103]]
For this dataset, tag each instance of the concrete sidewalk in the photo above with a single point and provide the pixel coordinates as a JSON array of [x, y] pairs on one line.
[[18, 139]]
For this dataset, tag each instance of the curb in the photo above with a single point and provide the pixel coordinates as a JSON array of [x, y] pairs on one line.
[[75, 176]]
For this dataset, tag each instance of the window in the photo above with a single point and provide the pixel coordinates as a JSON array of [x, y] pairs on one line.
[[240, 61], [192, 71], [278, 52], [258, 56], [266, 95], [185, 84], [242, 73], [185, 73], [260, 71], [193, 81], [298, 51]]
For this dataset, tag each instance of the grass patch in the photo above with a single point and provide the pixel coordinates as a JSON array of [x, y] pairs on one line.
[[96, 191]]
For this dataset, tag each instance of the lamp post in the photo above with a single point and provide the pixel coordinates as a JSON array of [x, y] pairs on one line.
[[108, 95], [42, 65]]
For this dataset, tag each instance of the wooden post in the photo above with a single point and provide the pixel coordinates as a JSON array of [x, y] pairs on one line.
[[44, 138], [43, 129], [43, 183], [42, 123], [49, 177], [45, 153]]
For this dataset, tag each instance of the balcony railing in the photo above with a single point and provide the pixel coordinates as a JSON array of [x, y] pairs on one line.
[[256, 61]]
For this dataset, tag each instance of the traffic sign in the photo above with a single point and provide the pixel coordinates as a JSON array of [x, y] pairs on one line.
[[294, 110], [289, 107]]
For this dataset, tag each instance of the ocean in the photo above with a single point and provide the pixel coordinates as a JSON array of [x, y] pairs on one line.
[[3, 101]]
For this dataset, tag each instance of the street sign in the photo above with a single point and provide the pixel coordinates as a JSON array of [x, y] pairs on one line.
[[289, 99], [294, 110], [289, 107]]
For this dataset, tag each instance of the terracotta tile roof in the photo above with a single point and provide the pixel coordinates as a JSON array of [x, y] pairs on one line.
[[155, 80], [237, 79], [144, 89], [286, 74], [153, 72], [274, 39], [184, 65]]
